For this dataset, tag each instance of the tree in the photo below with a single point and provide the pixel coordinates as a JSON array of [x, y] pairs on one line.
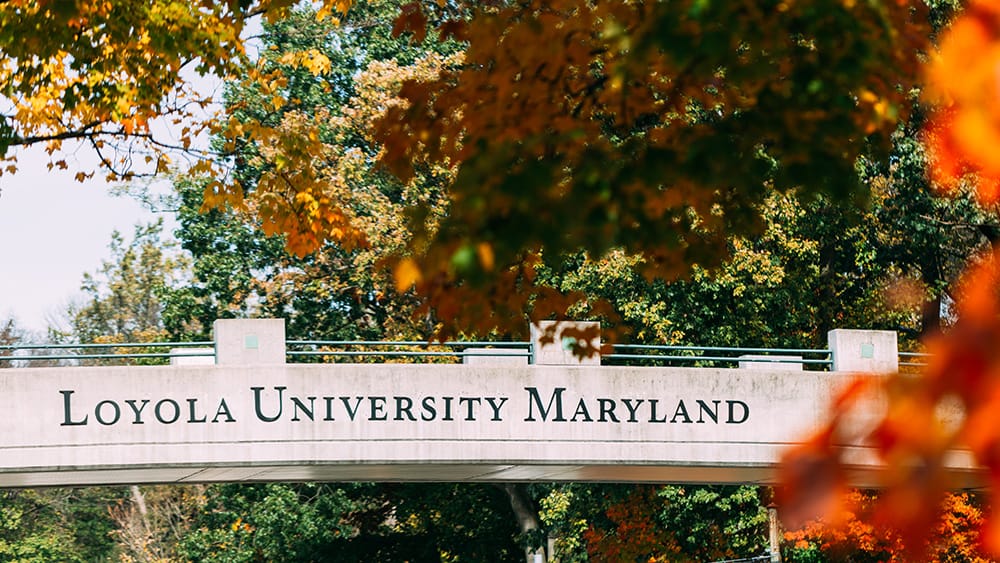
[[806, 233], [660, 125], [679, 523], [10, 335], [956, 537], [57, 525], [339, 291], [654, 128], [103, 73], [352, 522], [812, 268], [124, 298], [911, 436], [923, 235], [241, 268], [657, 129]]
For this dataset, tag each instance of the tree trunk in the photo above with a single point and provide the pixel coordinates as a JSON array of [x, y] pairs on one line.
[[527, 518], [139, 500], [930, 317]]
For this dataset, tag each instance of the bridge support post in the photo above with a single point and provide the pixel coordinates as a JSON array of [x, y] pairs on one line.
[[774, 544], [869, 351], [553, 343], [249, 341]]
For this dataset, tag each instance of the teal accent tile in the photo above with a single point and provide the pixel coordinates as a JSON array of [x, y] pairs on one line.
[[867, 350]]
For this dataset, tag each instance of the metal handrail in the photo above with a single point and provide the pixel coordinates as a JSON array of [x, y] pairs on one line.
[[401, 353], [126, 356], [424, 343], [13, 348], [916, 356], [723, 349], [106, 345], [716, 359], [733, 357], [511, 349], [454, 349]]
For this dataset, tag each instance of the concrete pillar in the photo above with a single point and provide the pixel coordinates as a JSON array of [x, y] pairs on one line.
[[773, 535], [559, 352], [249, 341], [868, 351]]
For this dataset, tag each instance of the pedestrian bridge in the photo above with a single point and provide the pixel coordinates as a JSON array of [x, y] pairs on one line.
[[249, 416]]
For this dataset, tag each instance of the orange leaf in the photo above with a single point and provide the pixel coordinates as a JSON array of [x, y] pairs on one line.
[[407, 274]]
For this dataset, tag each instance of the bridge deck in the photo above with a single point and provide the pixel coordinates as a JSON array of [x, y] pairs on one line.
[[407, 422]]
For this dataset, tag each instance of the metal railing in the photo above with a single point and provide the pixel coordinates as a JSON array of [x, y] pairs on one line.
[[637, 354], [753, 559], [75, 353], [350, 349], [913, 359], [386, 350]]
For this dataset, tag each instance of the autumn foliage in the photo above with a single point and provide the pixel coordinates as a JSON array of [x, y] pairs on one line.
[[651, 129], [955, 536], [962, 83], [634, 535], [948, 410]]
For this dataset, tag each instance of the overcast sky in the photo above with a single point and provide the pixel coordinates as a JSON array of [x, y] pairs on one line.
[[52, 230]]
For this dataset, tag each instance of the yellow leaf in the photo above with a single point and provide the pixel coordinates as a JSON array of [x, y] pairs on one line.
[[316, 62], [163, 164], [407, 274]]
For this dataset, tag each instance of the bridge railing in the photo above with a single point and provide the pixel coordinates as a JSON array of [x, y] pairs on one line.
[[355, 350], [622, 354], [263, 341], [913, 359], [104, 353], [717, 356], [333, 351]]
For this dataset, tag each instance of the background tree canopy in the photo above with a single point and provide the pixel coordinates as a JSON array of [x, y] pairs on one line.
[[721, 173], [657, 129]]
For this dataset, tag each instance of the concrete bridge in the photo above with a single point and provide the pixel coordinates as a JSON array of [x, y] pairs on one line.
[[249, 416]]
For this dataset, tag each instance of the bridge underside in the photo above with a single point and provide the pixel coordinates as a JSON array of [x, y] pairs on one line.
[[392, 472], [865, 477]]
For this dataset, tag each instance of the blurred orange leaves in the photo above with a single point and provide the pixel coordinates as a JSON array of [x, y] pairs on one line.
[[956, 537], [928, 421], [952, 407], [963, 81]]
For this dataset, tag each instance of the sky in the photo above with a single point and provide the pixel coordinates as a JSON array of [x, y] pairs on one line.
[[53, 229]]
